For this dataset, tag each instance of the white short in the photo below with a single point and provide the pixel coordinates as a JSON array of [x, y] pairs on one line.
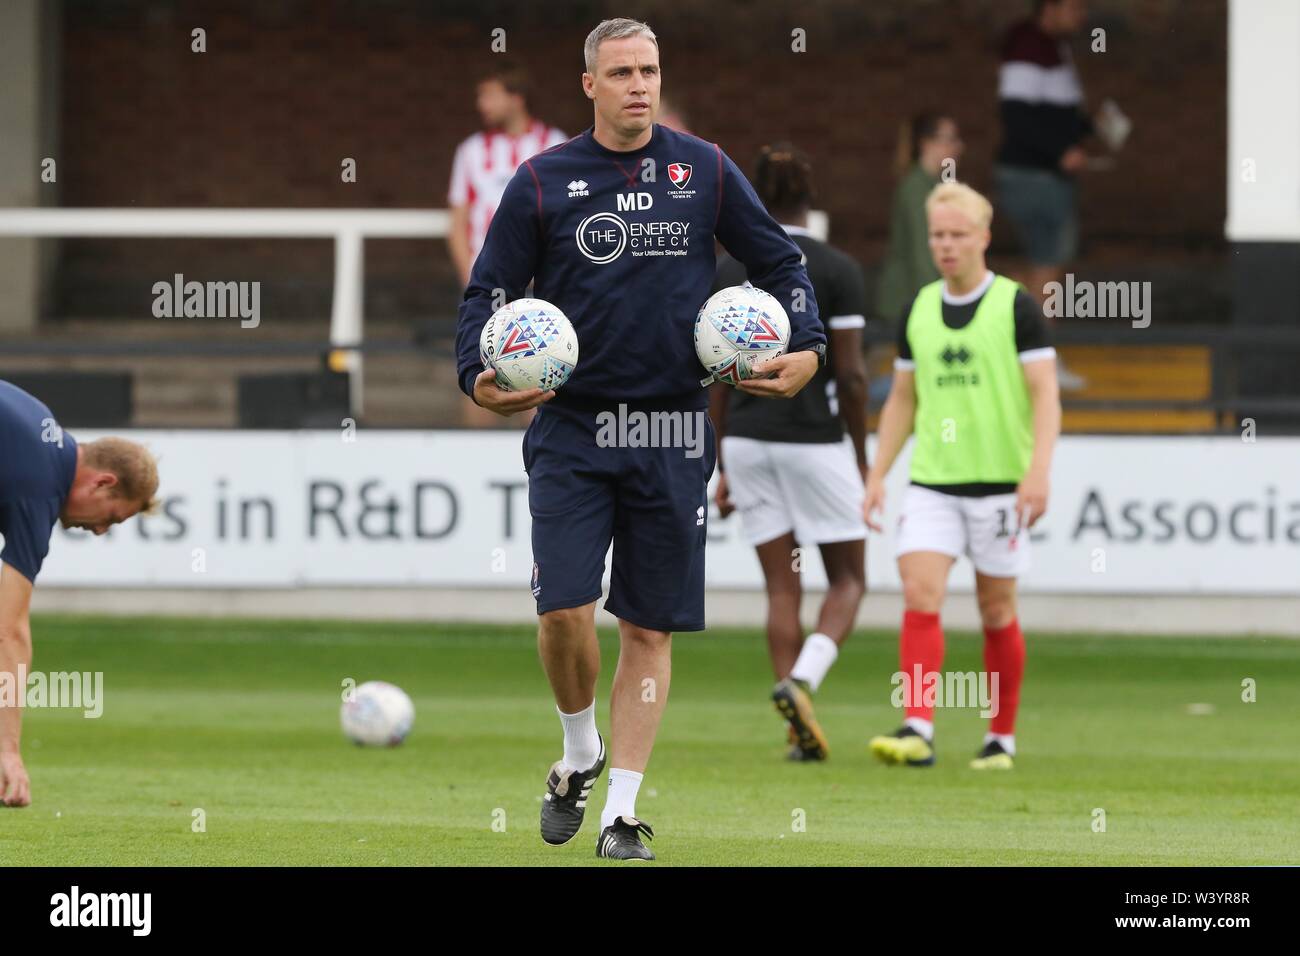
[[982, 528], [812, 489]]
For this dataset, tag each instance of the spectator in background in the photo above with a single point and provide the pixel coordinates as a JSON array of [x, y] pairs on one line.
[[671, 115], [1043, 126], [924, 143], [485, 162]]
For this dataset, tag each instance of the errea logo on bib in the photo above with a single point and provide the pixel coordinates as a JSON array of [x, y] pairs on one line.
[[956, 371]]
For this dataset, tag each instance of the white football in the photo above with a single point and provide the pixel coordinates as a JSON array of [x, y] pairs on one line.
[[377, 714], [531, 344], [737, 328]]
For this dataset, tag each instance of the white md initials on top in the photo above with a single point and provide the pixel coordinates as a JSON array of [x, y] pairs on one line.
[[629, 201]]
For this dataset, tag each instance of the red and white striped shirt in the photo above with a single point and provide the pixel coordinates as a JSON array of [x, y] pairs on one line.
[[483, 166]]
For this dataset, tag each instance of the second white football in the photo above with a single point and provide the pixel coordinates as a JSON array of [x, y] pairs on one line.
[[736, 328]]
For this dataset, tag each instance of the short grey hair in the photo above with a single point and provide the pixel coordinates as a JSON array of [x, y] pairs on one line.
[[620, 28]]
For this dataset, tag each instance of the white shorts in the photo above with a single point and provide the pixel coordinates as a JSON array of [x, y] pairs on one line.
[[812, 489], [984, 529]]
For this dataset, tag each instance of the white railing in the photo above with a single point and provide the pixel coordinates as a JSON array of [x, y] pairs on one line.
[[349, 228]]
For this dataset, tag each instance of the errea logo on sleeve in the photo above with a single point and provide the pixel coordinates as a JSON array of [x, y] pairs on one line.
[[578, 187]]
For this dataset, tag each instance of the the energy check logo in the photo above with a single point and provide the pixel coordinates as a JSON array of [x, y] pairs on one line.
[[605, 236], [602, 237]]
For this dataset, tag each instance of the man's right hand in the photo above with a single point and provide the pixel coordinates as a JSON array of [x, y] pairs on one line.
[[488, 394], [15, 787], [873, 505], [1073, 160]]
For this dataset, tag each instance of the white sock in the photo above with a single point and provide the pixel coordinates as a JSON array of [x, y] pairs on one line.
[[922, 726], [815, 659], [621, 801], [581, 742], [1008, 741]]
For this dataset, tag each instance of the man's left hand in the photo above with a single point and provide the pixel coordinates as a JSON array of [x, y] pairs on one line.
[[786, 375]]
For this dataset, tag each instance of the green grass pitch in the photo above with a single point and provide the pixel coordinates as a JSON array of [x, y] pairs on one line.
[[239, 719]]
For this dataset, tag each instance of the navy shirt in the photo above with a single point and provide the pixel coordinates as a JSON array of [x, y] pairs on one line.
[[37, 463], [623, 244]]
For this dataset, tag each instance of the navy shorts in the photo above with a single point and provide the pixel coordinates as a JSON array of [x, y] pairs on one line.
[[651, 502], [1041, 207]]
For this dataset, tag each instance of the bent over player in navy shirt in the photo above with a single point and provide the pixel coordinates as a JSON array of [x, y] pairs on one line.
[[46, 476], [616, 227]]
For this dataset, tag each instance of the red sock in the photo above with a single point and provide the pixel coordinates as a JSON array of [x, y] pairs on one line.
[[1004, 655], [921, 647]]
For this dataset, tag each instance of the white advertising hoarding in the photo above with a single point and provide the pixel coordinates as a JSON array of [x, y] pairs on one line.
[[281, 509]]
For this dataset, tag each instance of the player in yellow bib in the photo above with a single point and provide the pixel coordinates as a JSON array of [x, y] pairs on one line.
[[975, 382]]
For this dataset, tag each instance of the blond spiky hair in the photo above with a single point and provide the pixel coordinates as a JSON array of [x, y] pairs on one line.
[[964, 198]]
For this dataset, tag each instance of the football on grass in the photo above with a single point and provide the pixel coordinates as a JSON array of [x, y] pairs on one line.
[[377, 714]]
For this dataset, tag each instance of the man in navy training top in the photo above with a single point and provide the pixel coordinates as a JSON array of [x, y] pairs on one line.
[[46, 476], [616, 227]]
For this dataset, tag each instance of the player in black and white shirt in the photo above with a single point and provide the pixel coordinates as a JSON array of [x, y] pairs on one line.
[[795, 470]]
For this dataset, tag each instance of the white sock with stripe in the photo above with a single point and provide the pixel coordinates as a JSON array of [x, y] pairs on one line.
[[621, 802], [581, 742], [815, 659]]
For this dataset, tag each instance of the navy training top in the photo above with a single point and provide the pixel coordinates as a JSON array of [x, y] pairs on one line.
[[37, 464], [623, 244]]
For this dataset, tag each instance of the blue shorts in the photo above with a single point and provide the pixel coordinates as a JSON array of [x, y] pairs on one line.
[[651, 502]]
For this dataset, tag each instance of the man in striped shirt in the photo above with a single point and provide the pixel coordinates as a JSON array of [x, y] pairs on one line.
[[485, 162], [1043, 126]]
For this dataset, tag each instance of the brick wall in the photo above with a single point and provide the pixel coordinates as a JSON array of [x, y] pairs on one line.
[[289, 87]]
